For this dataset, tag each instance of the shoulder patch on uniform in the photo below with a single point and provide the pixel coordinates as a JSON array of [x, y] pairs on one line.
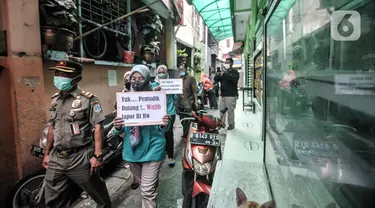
[[97, 107], [87, 94], [55, 95]]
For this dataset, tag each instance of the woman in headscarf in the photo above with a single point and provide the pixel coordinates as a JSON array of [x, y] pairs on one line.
[[144, 146], [162, 73], [127, 81]]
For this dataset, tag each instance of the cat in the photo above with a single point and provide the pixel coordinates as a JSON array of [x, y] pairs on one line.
[[242, 201]]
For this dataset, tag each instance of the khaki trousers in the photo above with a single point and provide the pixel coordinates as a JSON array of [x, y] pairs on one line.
[[230, 103], [147, 175], [77, 168]]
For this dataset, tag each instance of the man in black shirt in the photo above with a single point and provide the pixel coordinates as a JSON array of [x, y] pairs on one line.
[[229, 92]]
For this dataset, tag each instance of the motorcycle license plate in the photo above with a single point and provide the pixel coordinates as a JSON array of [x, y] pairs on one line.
[[316, 148], [37, 151], [205, 139]]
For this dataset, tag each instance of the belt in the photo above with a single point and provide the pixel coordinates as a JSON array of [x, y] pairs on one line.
[[68, 152]]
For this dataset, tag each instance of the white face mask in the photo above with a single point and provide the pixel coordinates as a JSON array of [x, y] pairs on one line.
[[227, 66]]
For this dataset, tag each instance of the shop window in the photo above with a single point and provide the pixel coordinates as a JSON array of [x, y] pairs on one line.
[[320, 96]]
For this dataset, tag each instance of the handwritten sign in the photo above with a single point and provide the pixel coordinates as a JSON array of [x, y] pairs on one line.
[[141, 108], [171, 86], [355, 84]]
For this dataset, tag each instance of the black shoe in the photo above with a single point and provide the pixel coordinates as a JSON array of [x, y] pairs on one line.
[[230, 127], [135, 185], [171, 162]]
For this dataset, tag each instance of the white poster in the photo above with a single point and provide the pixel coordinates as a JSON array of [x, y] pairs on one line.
[[141, 108], [171, 86], [355, 84], [112, 78]]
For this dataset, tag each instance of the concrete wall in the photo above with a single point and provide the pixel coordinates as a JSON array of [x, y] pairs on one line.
[[185, 33], [22, 90], [95, 80], [8, 165]]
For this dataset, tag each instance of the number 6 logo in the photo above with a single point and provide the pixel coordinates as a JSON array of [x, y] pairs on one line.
[[345, 25]]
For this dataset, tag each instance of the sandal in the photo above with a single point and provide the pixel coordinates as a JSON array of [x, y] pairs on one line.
[[135, 185]]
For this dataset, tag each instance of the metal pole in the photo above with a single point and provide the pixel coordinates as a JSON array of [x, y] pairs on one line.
[[79, 9], [128, 10]]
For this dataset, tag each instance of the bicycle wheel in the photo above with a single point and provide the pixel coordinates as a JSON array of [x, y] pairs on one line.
[[95, 44], [124, 41]]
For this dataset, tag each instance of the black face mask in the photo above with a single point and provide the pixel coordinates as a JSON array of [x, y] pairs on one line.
[[139, 85], [127, 86]]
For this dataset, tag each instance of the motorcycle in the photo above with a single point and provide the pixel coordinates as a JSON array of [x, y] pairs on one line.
[[29, 191], [201, 153]]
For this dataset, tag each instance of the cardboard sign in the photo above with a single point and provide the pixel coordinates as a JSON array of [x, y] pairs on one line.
[[355, 84], [171, 86], [141, 108]]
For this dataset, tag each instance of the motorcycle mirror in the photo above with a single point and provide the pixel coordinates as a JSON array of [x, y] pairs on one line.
[[202, 111]]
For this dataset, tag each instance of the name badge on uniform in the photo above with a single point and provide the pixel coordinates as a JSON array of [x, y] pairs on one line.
[[77, 104], [74, 127]]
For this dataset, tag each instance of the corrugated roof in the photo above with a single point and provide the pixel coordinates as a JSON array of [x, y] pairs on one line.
[[216, 15]]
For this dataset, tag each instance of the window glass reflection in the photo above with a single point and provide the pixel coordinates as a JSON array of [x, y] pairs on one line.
[[320, 104]]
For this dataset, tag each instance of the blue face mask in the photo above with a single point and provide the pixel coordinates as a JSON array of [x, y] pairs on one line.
[[162, 76], [182, 74], [62, 83]]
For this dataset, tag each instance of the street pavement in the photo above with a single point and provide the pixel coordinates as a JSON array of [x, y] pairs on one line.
[[169, 192]]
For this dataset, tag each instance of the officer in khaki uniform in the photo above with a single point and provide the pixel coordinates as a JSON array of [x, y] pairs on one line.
[[71, 152]]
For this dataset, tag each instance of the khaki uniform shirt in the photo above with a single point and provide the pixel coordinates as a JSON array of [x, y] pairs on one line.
[[80, 108]]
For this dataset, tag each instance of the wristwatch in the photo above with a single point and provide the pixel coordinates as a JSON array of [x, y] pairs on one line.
[[99, 157]]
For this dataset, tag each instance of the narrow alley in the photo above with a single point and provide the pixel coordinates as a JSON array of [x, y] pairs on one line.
[[94, 85]]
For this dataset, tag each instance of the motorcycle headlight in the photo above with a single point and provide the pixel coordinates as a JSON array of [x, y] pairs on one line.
[[202, 168]]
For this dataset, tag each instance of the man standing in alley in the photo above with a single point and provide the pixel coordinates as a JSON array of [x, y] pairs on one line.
[[71, 152], [187, 101], [229, 92]]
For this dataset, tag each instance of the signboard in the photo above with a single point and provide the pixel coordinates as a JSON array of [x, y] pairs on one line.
[[141, 108], [355, 84], [112, 78], [316, 148], [171, 86]]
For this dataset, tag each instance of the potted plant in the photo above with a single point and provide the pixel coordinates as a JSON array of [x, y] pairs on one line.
[[58, 21], [197, 59], [150, 27], [182, 57]]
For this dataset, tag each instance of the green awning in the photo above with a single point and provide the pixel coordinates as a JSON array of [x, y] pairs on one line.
[[274, 24], [216, 15]]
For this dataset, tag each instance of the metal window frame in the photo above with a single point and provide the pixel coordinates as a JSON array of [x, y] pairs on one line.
[[272, 9], [84, 19]]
